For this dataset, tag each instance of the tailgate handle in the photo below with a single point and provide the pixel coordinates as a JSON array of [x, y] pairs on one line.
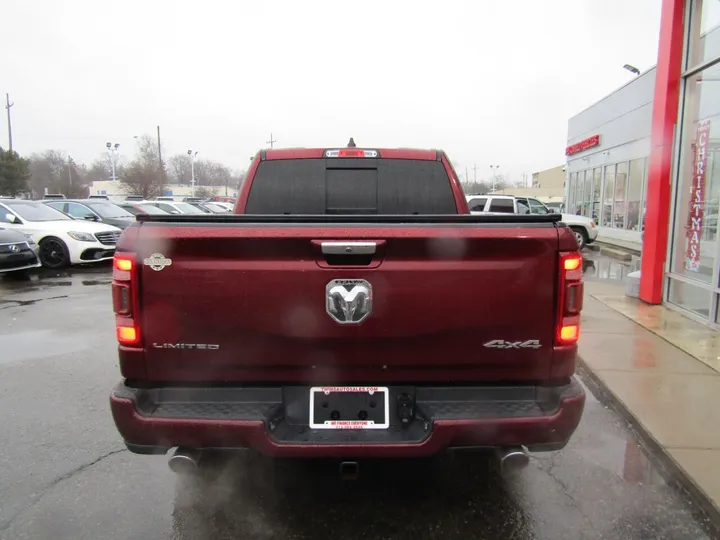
[[348, 248]]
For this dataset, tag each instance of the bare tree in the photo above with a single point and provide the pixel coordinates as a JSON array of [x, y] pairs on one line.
[[211, 173], [235, 180], [500, 182], [179, 169], [475, 188], [101, 169], [55, 171], [143, 176]]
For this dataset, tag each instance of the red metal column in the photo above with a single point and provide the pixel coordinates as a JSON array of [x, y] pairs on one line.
[[664, 116]]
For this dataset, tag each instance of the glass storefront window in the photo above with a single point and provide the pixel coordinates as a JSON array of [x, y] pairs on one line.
[[644, 196], [569, 204], [607, 210], [690, 297], [697, 203], [620, 196], [579, 193], [634, 193], [587, 194], [704, 32], [597, 186]]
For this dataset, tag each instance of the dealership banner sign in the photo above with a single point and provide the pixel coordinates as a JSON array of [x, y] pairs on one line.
[[582, 145], [697, 197]]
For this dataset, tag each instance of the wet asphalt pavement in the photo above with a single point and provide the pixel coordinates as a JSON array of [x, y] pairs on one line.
[[64, 473]]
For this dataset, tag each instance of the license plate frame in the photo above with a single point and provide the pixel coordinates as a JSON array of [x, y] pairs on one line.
[[335, 391]]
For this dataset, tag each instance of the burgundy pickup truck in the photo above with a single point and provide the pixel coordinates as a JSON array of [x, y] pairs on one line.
[[350, 308]]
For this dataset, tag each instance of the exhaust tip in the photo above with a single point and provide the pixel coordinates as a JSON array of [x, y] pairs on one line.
[[184, 461], [349, 470], [513, 459]]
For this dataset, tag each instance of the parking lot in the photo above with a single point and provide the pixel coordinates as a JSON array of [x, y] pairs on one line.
[[66, 474]]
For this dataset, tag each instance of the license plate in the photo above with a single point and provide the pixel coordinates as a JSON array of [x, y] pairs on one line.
[[349, 407]]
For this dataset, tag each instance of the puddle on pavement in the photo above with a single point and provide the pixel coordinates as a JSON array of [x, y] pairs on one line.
[[599, 268], [38, 345], [47, 279]]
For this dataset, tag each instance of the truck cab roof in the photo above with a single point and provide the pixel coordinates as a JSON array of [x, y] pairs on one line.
[[351, 180], [340, 152]]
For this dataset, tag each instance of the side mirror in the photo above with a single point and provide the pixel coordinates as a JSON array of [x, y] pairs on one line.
[[174, 211], [11, 218], [90, 217]]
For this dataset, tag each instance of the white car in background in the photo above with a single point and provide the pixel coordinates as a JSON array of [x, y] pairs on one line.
[[175, 207], [584, 228], [62, 241], [230, 207]]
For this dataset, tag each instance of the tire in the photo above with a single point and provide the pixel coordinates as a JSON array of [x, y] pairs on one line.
[[581, 236], [54, 253]]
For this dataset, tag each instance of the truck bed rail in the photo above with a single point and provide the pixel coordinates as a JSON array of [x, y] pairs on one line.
[[430, 219]]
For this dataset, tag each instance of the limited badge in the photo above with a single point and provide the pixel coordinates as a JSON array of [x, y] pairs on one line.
[[157, 261]]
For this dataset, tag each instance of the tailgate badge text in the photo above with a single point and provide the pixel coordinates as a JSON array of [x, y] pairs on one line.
[[348, 301], [502, 344], [157, 261]]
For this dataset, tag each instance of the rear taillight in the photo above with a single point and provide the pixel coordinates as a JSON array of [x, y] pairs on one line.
[[124, 297], [570, 296]]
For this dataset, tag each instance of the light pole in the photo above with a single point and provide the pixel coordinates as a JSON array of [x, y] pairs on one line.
[[494, 169], [192, 155], [113, 149]]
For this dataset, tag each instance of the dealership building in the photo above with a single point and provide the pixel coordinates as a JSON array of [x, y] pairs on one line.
[[644, 162]]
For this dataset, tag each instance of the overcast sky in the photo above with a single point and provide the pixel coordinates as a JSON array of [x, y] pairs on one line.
[[489, 82]]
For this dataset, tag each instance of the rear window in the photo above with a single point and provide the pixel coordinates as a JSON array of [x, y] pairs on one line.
[[477, 205], [351, 186], [501, 205]]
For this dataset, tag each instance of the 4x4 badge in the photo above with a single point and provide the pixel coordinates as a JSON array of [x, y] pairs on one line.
[[502, 344], [157, 261]]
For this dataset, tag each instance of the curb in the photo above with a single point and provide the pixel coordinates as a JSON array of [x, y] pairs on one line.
[[615, 253], [656, 453]]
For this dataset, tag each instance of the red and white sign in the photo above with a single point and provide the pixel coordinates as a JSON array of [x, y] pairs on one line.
[[365, 389], [381, 392], [697, 197], [583, 145]]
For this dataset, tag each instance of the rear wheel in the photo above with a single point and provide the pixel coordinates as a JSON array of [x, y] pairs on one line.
[[54, 253], [581, 236]]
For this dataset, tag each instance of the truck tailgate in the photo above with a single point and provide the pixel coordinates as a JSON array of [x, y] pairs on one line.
[[248, 302]]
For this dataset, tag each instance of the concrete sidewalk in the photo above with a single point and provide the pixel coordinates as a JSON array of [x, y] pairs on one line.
[[662, 372]]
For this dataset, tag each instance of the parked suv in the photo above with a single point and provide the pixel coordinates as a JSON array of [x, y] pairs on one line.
[[584, 227]]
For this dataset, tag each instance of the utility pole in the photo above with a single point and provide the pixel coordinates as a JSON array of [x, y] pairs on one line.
[[9, 123], [162, 169], [474, 173], [271, 142], [70, 176], [467, 176]]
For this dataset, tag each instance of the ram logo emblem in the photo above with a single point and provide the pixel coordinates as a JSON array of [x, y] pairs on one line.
[[348, 301]]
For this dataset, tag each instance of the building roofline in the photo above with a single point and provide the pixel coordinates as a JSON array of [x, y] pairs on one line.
[[643, 74]]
